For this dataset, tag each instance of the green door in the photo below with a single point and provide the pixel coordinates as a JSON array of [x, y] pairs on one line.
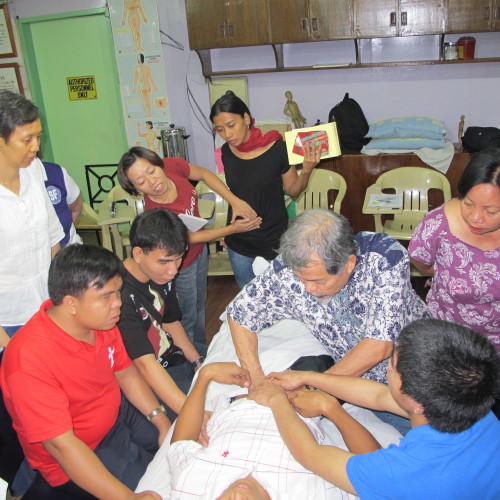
[[83, 131]]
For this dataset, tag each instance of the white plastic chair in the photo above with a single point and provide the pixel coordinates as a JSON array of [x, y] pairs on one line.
[[321, 182], [218, 258], [414, 184]]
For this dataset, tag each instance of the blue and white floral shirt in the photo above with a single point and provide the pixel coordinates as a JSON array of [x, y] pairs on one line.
[[376, 303]]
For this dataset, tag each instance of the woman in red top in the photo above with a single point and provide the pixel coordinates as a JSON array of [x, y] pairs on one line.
[[165, 184]]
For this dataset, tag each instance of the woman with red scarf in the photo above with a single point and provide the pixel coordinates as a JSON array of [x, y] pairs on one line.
[[257, 171]]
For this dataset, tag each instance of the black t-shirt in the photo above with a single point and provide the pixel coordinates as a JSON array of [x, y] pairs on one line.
[[258, 182], [145, 307]]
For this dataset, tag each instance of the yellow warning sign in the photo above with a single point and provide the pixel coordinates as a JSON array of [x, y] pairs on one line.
[[81, 88]]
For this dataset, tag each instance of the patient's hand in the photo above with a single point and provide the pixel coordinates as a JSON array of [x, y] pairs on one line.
[[311, 402], [266, 393], [289, 379], [204, 438], [226, 373]]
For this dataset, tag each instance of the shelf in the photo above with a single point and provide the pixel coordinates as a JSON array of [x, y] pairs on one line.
[[211, 73], [425, 63], [341, 54]]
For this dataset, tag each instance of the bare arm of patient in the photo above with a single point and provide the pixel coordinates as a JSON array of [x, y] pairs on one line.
[[190, 420]]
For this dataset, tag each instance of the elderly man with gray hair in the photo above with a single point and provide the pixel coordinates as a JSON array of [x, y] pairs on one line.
[[352, 292]]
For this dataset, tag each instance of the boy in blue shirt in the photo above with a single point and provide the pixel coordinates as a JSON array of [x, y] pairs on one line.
[[444, 377]]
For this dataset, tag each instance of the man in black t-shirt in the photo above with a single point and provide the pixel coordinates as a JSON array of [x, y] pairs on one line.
[[149, 323]]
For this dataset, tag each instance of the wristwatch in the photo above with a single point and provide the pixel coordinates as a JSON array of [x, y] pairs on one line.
[[198, 361], [160, 409]]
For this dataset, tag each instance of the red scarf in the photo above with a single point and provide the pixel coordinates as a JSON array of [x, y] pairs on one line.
[[257, 140]]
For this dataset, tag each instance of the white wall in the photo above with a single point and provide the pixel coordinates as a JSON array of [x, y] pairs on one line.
[[172, 18], [444, 91]]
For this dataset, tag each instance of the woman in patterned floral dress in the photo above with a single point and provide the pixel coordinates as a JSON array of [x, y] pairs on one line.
[[458, 244]]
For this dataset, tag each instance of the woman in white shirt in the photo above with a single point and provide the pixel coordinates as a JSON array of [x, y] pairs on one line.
[[30, 231]]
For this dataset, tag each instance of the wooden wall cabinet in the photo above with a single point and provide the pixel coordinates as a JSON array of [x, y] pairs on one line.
[[310, 20], [495, 15], [214, 24], [227, 23], [473, 16], [385, 18]]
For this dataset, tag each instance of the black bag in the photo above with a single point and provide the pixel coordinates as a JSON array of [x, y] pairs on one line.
[[479, 138], [351, 124]]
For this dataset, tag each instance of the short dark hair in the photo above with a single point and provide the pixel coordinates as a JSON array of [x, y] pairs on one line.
[[159, 228], [15, 111], [229, 103], [128, 159], [451, 370], [76, 268], [483, 168], [318, 231]]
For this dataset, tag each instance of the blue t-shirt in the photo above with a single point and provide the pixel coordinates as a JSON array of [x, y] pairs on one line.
[[433, 465]]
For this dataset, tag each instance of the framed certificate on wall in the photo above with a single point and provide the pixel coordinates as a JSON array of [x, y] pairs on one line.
[[10, 78], [7, 45]]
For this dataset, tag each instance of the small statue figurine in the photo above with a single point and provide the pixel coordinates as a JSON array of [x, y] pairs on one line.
[[461, 125], [292, 110]]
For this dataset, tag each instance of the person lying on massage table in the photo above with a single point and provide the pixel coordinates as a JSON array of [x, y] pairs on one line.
[[245, 452]]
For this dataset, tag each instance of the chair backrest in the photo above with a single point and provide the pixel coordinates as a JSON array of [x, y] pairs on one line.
[[87, 218], [117, 193], [219, 218], [414, 183], [100, 181], [87, 221], [320, 184]]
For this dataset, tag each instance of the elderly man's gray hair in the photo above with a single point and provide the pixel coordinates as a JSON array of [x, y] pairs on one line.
[[319, 231]]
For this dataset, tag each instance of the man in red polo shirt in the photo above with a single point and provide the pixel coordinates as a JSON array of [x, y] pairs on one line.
[[63, 375]]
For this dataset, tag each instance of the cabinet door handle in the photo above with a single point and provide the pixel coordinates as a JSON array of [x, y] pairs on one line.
[[314, 24], [486, 13], [305, 24], [393, 19], [404, 18], [231, 31], [222, 31]]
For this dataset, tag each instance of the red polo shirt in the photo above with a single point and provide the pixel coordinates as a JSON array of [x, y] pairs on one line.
[[53, 383]]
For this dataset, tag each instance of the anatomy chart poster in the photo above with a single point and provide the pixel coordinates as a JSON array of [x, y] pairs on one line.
[[141, 70]]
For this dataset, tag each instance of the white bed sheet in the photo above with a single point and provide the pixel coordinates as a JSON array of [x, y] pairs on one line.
[[279, 346]]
